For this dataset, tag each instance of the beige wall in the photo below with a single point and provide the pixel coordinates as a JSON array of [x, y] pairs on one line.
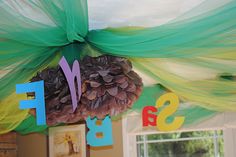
[[35, 145]]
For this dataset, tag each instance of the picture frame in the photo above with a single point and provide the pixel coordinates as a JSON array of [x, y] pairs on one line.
[[67, 141]]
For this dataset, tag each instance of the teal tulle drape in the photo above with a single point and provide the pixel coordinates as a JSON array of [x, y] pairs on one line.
[[29, 43], [202, 43]]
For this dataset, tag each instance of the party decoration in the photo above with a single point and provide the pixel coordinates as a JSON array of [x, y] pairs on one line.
[[57, 94], [105, 129], [201, 44], [169, 110], [193, 113], [149, 119], [38, 103], [71, 76], [29, 125], [210, 93], [109, 87], [160, 120]]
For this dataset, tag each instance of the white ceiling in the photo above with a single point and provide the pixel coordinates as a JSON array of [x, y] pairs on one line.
[[116, 13]]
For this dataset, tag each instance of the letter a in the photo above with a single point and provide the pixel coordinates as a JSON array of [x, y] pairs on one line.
[[146, 116]]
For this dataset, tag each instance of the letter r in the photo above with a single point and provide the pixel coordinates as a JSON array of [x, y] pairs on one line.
[[105, 129]]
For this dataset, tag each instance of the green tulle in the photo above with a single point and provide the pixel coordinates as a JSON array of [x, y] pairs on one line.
[[201, 42], [29, 44], [29, 126], [207, 34]]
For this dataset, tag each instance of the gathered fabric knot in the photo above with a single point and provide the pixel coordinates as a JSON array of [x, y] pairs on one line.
[[76, 20], [72, 36]]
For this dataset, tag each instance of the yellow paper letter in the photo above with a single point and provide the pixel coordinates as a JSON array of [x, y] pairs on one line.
[[167, 111]]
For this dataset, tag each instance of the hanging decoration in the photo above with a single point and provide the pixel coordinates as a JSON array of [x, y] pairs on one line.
[[109, 87], [201, 44]]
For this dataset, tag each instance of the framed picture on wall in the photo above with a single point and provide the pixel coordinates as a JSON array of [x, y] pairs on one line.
[[67, 141]]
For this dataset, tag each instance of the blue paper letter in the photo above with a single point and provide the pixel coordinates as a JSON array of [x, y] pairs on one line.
[[105, 129], [38, 103]]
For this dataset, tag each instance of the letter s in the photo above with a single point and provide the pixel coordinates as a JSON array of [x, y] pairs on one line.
[[167, 111]]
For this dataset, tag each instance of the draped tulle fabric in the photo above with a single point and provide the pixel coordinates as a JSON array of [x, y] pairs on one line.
[[31, 33], [201, 43]]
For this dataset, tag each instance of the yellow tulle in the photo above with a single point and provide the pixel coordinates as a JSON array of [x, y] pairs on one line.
[[194, 83], [11, 115]]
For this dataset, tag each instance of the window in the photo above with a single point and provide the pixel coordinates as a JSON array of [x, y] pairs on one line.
[[215, 137], [181, 144]]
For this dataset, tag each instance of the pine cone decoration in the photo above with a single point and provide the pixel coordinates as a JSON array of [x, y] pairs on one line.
[[109, 86], [57, 95]]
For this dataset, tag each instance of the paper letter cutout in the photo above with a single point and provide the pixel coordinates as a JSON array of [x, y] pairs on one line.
[[70, 77], [38, 103], [167, 111], [105, 129], [147, 116]]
